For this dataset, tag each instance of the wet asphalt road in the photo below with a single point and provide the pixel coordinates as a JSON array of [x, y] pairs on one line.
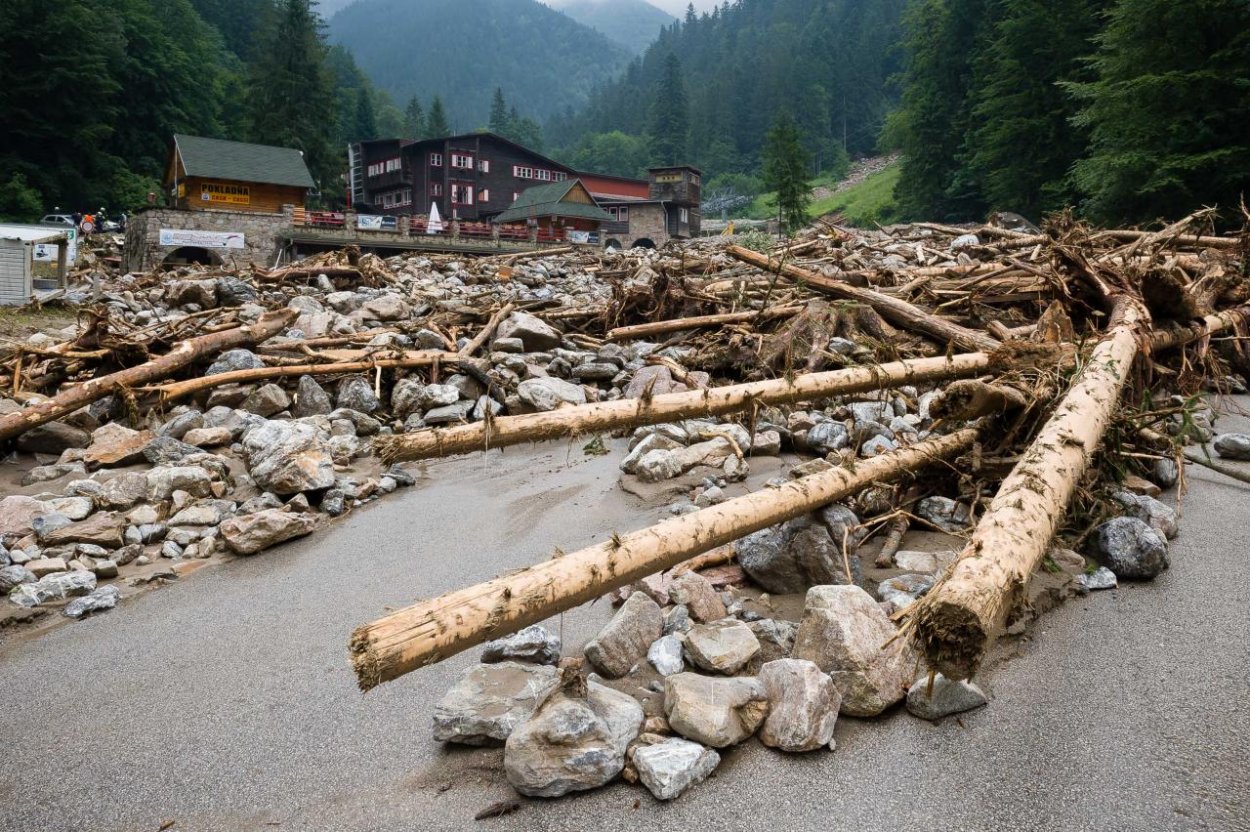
[[226, 701]]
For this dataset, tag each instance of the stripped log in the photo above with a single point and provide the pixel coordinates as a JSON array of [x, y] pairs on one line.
[[956, 622], [184, 353], [625, 333], [624, 413], [487, 331], [972, 398], [430, 631], [178, 389], [897, 311]]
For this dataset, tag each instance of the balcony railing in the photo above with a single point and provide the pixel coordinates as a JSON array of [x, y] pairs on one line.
[[418, 227]]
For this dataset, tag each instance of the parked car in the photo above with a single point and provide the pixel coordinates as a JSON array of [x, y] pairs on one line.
[[59, 220]]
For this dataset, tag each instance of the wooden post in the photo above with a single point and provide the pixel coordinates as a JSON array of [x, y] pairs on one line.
[[430, 631]]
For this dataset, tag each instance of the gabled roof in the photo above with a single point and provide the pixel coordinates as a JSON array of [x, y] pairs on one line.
[[486, 134], [547, 201], [242, 162]]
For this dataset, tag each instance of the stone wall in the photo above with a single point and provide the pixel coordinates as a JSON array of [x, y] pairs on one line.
[[261, 235], [646, 222]]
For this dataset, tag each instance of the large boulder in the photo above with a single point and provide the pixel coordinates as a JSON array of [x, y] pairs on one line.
[[266, 400], [803, 705], [536, 335], [311, 399], [1130, 548], [943, 698], [201, 293], [288, 457], [356, 393], [248, 534], [18, 513], [658, 465], [669, 768], [1158, 515], [101, 529], [799, 553], [233, 360], [491, 700], [55, 587], [52, 438], [625, 640], [715, 711], [113, 445], [721, 646], [548, 393], [847, 635], [699, 596], [572, 743], [533, 644]]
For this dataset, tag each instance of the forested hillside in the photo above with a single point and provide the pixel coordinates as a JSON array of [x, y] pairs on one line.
[[827, 61], [1129, 110], [93, 91], [544, 61], [633, 24]]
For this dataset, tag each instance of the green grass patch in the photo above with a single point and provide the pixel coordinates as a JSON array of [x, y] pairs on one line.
[[17, 322], [865, 204]]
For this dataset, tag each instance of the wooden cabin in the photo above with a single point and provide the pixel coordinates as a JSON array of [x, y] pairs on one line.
[[559, 211], [218, 175]]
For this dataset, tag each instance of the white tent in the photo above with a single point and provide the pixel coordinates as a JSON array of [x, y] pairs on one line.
[[435, 223]]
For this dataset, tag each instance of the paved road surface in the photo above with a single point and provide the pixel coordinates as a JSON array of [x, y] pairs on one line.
[[226, 702]]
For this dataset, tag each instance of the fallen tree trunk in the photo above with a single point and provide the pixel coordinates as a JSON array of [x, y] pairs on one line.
[[582, 419], [430, 631], [178, 389], [186, 352], [487, 331], [625, 333], [972, 398], [895, 310]]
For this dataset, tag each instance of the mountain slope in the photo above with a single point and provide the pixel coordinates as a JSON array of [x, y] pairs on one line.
[[634, 24], [462, 50]]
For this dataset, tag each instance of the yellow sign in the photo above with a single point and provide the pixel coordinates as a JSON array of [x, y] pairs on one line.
[[668, 177], [225, 194]]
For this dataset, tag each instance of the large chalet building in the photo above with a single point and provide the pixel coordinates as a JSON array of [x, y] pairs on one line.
[[479, 176]]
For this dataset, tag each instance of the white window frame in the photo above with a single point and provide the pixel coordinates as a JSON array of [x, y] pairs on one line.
[[685, 215], [436, 160], [561, 176], [544, 175], [436, 189], [483, 165], [461, 161], [484, 195]]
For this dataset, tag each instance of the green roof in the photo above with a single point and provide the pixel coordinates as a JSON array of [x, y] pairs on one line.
[[546, 201], [243, 162]]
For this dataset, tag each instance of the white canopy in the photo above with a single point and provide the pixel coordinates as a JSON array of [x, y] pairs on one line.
[[435, 223]]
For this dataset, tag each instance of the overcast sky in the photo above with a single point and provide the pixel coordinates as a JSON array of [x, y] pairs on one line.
[[677, 8]]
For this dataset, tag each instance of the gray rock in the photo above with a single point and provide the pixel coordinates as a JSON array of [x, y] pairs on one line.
[[536, 335], [447, 414], [903, 590], [595, 371], [842, 632], [533, 644], [677, 620], [165, 450], [163, 482], [715, 711], [232, 360], [943, 512], [46, 473], [356, 393], [104, 598], [491, 700], [871, 411], [776, 638], [1100, 578], [1165, 474], [55, 587], [231, 291], [651, 442], [1130, 548], [699, 597], [803, 705], [288, 457], [721, 646], [14, 575], [544, 394], [876, 446], [311, 399], [485, 404], [201, 293], [625, 639], [794, 556], [52, 438], [46, 524], [947, 697], [252, 533], [665, 655], [572, 743], [124, 490], [178, 426], [208, 437], [75, 508], [827, 437], [508, 345], [766, 443], [669, 768], [926, 562], [266, 400], [1158, 515], [1233, 446]]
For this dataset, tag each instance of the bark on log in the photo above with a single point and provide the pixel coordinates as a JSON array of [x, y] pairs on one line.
[[972, 398], [601, 416], [178, 389], [430, 631], [625, 333], [956, 622], [81, 395], [897, 311], [487, 331]]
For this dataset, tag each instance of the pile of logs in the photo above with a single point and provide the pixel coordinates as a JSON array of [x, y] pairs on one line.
[[1047, 333]]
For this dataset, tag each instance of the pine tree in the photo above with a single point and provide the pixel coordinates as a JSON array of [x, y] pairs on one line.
[[670, 118], [1168, 111], [785, 171], [414, 120], [366, 123], [1024, 144], [437, 126], [499, 120], [291, 100]]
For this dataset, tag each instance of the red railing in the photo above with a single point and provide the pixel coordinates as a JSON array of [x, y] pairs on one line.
[[418, 227]]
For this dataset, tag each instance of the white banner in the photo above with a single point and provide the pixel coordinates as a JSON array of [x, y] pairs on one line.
[[582, 237], [368, 222], [202, 239]]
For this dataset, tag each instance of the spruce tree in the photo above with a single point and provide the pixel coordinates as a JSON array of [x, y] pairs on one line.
[[366, 122], [414, 120], [499, 121], [291, 100], [670, 118], [437, 126], [785, 171], [1168, 111]]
